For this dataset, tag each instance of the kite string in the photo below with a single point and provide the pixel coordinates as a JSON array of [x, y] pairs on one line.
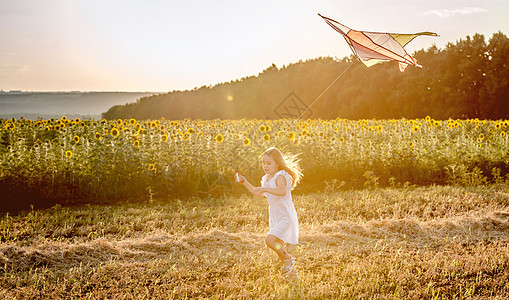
[[312, 103], [326, 89]]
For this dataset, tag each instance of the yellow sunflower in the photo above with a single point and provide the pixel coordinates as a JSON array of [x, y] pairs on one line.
[[114, 132], [266, 137], [151, 167], [246, 142], [291, 135], [97, 136], [76, 139], [219, 138], [68, 153]]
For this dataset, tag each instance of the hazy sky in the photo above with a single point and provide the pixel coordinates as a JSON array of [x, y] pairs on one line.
[[164, 45]]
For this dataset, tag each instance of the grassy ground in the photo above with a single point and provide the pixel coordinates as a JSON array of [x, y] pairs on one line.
[[409, 243]]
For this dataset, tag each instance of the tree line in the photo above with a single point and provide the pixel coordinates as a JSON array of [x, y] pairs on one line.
[[466, 79]]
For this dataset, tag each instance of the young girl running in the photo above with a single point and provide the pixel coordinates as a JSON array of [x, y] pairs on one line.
[[282, 173]]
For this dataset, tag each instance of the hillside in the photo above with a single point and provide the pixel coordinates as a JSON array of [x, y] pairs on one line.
[[466, 79]]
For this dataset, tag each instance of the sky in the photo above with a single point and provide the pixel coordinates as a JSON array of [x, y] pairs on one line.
[[166, 45]]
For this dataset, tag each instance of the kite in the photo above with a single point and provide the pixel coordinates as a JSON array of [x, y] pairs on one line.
[[375, 47]]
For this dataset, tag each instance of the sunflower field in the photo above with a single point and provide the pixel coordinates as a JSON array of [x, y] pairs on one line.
[[71, 161]]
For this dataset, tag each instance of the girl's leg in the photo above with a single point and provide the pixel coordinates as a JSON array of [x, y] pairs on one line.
[[276, 244]]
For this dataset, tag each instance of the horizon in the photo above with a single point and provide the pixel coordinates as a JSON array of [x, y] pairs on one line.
[[126, 46], [74, 91]]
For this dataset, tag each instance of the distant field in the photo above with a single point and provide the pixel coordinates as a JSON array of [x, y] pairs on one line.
[[438, 242], [47, 105]]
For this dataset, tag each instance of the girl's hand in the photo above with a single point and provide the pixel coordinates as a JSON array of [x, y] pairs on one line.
[[242, 179]]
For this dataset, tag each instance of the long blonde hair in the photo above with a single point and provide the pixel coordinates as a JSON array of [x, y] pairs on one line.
[[287, 162]]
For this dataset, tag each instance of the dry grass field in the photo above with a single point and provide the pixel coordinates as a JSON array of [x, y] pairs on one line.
[[436, 242]]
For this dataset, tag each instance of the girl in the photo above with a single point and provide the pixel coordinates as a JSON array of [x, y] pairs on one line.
[[282, 173]]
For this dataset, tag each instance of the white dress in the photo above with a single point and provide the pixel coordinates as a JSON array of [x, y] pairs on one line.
[[283, 220]]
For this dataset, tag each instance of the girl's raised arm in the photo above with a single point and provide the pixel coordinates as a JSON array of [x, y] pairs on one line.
[[279, 191], [249, 186]]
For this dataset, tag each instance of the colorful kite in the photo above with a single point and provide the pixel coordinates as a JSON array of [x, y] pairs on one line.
[[374, 47]]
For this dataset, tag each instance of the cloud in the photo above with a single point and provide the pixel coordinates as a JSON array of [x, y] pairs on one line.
[[444, 13]]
